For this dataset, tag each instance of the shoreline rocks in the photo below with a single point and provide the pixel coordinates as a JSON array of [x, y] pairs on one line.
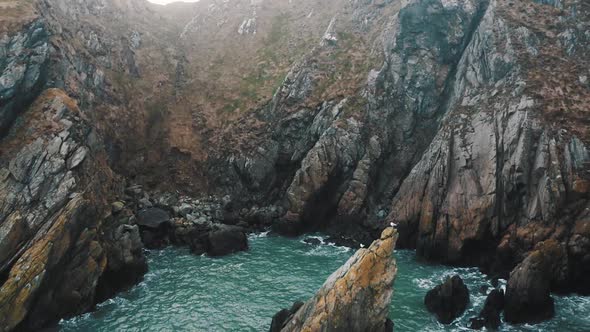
[[528, 293], [201, 224], [356, 297], [283, 316], [489, 317], [448, 300], [227, 240]]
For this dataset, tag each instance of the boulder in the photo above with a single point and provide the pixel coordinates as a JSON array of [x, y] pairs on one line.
[[448, 300], [154, 226], [528, 293], [489, 317], [152, 217], [227, 240], [126, 262], [185, 209], [356, 297], [279, 319]]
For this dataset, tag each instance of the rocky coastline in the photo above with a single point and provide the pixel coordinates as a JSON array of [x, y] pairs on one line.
[[464, 123]]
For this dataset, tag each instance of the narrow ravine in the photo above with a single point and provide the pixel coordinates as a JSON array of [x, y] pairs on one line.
[[243, 291]]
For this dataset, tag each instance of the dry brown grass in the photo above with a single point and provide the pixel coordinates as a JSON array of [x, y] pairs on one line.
[[14, 14], [553, 76]]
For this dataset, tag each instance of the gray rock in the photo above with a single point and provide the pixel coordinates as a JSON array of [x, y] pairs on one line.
[[185, 209], [77, 157], [227, 240], [152, 217]]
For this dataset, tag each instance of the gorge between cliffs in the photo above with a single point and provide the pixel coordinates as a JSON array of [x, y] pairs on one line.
[[282, 149]]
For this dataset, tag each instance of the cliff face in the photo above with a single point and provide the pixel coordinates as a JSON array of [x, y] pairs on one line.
[[465, 122], [509, 166], [56, 234], [59, 241]]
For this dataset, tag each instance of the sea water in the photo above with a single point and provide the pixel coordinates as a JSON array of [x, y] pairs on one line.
[[242, 292]]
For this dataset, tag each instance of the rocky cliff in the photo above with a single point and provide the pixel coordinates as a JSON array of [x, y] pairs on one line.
[[58, 238], [465, 122]]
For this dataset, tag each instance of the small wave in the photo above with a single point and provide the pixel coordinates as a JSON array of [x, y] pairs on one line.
[[424, 283], [316, 237], [258, 235]]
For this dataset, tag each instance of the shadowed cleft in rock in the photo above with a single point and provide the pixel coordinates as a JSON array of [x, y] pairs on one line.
[[356, 297]]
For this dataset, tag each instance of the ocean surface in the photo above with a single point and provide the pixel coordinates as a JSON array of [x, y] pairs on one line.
[[242, 292]]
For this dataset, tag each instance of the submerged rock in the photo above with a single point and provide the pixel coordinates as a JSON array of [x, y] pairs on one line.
[[356, 297], [312, 241], [448, 300]]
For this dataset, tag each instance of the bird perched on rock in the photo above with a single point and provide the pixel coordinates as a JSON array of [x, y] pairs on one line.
[[362, 245], [392, 224]]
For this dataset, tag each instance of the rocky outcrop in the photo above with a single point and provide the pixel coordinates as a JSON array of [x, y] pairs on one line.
[[227, 240], [356, 297], [283, 316], [23, 66], [448, 300], [501, 175], [206, 225], [154, 224], [528, 293], [489, 317], [56, 244], [124, 250]]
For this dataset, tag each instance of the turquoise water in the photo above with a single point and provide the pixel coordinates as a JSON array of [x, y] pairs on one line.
[[242, 292]]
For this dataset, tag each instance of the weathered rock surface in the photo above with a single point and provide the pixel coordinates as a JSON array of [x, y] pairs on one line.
[[124, 250], [152, 217], [356, 297], [283, 316], [55, 240], [227, 240], [464, 122], [528, 293], [489, 317], [23, 63], [448, 300]]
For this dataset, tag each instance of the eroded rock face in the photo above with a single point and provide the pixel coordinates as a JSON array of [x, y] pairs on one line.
[[357, 296], [56, 246], [528, 293], [448, 300], [501, 175], [23, 65]]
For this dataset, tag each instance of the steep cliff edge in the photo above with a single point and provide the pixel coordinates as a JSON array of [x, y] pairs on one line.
[[509, 166]]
